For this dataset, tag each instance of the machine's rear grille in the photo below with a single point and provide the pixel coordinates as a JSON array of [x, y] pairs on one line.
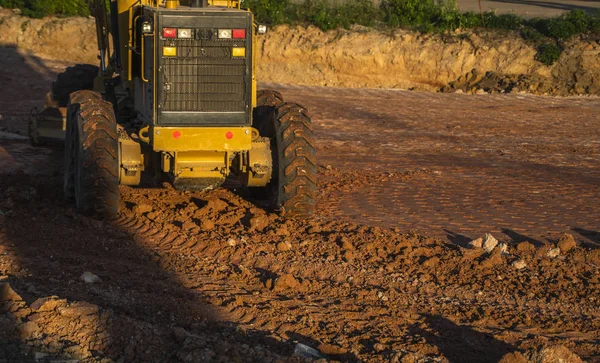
[[204, 77]]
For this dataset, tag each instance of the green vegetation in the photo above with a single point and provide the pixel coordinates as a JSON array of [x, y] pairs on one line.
[[41, 8], [441, 16]]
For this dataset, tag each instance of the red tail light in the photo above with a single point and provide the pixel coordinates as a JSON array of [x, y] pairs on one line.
[[239, 33], [169, 32]]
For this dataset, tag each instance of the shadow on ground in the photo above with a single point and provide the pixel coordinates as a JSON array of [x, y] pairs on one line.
[[140, 312]]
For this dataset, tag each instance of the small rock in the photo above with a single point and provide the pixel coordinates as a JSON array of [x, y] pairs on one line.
[[432, 262], [553, 354], [89, 278], [489, 243], [46, 304], [476, 243], [379, 347], [284, 246], [28, 330], [282, 231], [231, 242], [330, 349], [207, 225], [346, 245], [503, 247], [348, 256], [519, 264], [525, 248], [8, 294], [553, 252], [514, 357], [306, 352], [142, 208], [284, 282], [259, 222], [78, 309], [566, 243]]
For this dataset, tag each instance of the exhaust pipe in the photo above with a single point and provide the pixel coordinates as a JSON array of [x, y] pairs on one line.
[[199, 3]]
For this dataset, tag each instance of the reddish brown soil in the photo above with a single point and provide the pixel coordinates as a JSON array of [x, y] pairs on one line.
[[212, 277]]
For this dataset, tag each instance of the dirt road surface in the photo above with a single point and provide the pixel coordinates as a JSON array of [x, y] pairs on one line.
[[529, 8], [383, 272]]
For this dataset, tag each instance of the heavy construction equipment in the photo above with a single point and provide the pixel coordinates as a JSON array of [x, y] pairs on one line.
[[175, 96]]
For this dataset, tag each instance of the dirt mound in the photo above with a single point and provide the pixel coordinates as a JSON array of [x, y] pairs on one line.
[[576, 73], [360, 57]]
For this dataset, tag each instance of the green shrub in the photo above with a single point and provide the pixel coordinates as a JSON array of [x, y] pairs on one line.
[[594, 22], [424, 15], [504, 21], [531, 35], [548, 53], [268, 11], [580, 20], [41, 8]]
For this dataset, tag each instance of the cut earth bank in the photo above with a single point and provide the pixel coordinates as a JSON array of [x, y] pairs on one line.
[[463, 61]]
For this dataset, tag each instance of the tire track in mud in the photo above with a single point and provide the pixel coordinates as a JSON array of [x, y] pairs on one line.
[[355, 296]]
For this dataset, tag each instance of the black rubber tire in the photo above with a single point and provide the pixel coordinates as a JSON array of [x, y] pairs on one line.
[[266, 102], [76, 78], [294, 181], [96, 165], [269, 97], [71, 140]]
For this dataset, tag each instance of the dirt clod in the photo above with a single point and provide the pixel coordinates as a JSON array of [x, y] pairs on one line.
[[259, 222], [553, 354], [519, 264], [284, 246], [566, 243], [285, 282]]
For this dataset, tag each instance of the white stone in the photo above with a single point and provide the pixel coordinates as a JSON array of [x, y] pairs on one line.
[[520, 264], [476, 243], [554, 252], [489, 243], [90, 278], [503, 248]]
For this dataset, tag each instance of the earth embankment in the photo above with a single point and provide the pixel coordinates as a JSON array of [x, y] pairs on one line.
[[466, 61]]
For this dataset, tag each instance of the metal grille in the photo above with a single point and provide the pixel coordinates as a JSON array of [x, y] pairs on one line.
[[204, 77]]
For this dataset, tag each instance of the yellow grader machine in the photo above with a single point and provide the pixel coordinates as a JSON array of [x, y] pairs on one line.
[[175, 96]]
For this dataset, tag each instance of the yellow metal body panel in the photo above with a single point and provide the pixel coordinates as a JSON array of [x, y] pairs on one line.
[[131, 162], [258, 164], [202, 138], [227, 3], [210, 160]]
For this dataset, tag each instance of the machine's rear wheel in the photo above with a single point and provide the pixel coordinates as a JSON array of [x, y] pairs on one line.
[[76, 78], [293, 184], [267, 101], [95, 147], [269, 97], [71, 139]]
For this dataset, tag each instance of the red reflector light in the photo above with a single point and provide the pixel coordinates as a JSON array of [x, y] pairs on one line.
[[229, 135], [239, 34], [176, 134], [169, 32]]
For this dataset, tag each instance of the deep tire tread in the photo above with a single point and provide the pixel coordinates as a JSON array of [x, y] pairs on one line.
[[97, 169], [297, 160]]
